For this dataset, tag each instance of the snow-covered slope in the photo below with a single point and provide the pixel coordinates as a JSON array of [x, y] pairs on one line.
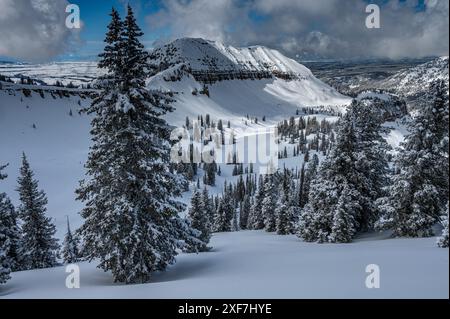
[[55, 142], [256, 80], [415, 81]]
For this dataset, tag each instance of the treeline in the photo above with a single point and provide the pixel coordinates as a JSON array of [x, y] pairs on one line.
[[355, 189], [296, 132]]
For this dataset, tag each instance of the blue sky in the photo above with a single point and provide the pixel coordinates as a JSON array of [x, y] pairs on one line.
[[95, 17], [298, 28]]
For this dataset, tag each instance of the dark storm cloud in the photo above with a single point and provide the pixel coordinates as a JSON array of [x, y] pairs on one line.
[[325, 28]]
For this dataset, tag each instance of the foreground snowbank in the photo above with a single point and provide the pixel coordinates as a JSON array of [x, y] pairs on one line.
[[255, 264]]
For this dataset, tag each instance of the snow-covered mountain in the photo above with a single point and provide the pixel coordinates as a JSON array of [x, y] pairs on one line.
[[415, 81], [255, 80], [203, 55]]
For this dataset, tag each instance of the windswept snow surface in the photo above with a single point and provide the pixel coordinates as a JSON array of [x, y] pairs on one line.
[[256, 264]]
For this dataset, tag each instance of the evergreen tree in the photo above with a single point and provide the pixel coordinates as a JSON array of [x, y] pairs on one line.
[[70, 249], [333, 209], [443, 240], [283, 218], [309, 175], [38, 245], [256, 219], [269, 205], [131, 222], [225, 212], [210, 173], [372, 158], [209, 207], [5, 261], [419, 192], [6, 212], [344, 222], [244, 212], [111, 57], [235, 222], [199, 218], [10, 230]]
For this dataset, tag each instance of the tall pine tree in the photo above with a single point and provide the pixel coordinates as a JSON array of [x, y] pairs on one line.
[[371, 158], [38, 245], [131, 222]]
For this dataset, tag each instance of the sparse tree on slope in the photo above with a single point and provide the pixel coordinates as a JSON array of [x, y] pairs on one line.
[[39, 247]]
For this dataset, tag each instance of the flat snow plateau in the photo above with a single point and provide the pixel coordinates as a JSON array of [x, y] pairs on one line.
[[256, 264]]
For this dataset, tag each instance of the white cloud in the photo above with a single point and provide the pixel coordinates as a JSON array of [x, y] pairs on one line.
[[34, 29], [328, 28]]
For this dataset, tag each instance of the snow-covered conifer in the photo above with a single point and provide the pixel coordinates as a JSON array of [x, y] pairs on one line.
[[70, 249], [244, 212], [443, 240], [419, 192], [333, 209], [131, 222], [10, 228], [38, 245], [282, 213], [268, 205], [256, 218], [199, 217]]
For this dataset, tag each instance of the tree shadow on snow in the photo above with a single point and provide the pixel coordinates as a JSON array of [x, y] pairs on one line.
[[183, 269]]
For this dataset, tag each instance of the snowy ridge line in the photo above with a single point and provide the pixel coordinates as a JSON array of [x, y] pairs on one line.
[[202, 57], [27, 89]]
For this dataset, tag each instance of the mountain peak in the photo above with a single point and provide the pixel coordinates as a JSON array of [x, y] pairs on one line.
[[213, 56]]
